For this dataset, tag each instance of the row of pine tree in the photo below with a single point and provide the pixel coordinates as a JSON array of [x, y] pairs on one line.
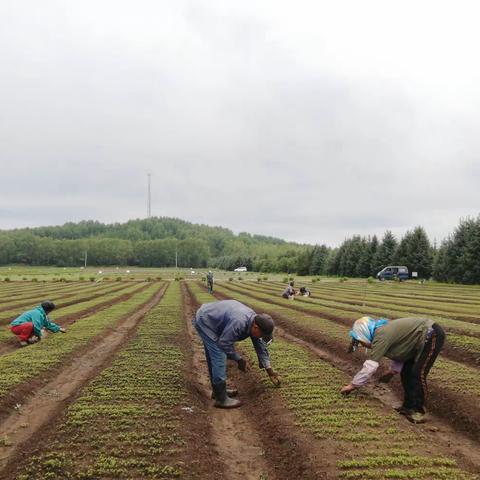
[[457, 260]]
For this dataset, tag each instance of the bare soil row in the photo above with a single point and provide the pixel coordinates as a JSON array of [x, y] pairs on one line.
[[43, 399], [329, 430], [448, 400], [464, 344], [8, 342]]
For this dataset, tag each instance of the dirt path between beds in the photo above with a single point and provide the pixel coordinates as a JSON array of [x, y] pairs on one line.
[[23, 427], [65, 320], [439, 430], [259, 440]]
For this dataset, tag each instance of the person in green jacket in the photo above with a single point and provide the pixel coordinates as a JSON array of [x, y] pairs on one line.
[[412, 344], [210, 281], [29, 325]]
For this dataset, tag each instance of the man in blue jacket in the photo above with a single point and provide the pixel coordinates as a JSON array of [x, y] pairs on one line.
[[220, 325], [28, 326]]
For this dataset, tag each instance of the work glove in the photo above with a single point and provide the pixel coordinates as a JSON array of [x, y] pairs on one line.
[[63, 330], [274, 378], [242, 364], [33, 339]]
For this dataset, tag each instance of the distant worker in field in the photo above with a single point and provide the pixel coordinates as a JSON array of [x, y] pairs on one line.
[[289, 292], [210, 281], [412, 344], [28, 326], [221, 324], [304, 292]]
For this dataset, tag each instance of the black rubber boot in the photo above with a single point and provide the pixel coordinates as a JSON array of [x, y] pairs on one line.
[[231, 392], [222, 400]]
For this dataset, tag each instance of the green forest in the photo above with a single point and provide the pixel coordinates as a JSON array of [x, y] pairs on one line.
[[162, 241]]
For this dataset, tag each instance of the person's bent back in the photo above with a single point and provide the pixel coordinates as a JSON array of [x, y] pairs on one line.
[[29, 325]]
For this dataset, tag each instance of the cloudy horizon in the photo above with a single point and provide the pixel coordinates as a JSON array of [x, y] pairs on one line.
[[312, 121]]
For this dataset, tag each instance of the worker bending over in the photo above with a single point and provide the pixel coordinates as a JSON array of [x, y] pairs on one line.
[[28, 326], [221, 324], [289, 292], [304, 292], [412, 344]]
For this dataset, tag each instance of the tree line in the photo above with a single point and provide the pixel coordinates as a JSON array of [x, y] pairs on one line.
[[366, 256], [153, 242], [164, 242], [457, 260]]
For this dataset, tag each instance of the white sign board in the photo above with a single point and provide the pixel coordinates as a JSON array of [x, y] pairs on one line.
[[414, 274]]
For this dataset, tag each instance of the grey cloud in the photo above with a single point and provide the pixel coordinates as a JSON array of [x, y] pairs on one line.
[[249, 116]]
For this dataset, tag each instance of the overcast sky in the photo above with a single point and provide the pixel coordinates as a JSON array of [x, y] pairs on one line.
[[308, 120]]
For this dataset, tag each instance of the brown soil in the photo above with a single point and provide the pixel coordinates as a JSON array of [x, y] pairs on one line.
[[92, 295], [439, 312], [260, 437], [72, 318], [203, 459], [459, 411], [26, 427], [369, 303], [459, 330], [32, 290], [396, 296], [36, 299], [457, 444], [449, 351], [24, 391], [235, 441]]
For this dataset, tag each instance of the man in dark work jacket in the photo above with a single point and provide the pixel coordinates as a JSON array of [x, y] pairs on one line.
[[220, 325]]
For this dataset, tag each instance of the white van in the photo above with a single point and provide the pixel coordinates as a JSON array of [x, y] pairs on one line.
[[241, 269]]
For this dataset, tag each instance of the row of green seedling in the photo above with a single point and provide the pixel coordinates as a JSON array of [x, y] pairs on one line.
[[347, 311], [37, 360], [369, 441], [446, 375], [375, 299], [40, 292], [415, 287], [462, 335], [61, 299], [125, 424], [80, 309], [418, 292]]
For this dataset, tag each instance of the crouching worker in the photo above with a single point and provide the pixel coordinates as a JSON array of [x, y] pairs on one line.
[[220, 325], [289, 292], [28, 326], [412, 344], [304, 292]]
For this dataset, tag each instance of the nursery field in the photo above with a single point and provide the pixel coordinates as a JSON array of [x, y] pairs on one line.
[[124, 393]]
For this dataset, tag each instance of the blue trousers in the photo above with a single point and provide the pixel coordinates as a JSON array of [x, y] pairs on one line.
[[216, 358]]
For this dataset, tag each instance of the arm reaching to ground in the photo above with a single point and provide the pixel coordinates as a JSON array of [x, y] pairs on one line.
[[362, 377]]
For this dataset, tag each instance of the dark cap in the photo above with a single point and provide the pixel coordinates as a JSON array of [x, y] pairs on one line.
[[48, 306], [266, 325]]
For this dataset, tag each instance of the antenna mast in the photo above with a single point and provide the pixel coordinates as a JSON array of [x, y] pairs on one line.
[[149, 199]]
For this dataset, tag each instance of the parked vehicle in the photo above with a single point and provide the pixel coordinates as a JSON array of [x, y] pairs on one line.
[[241, 269], [393, 272]]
